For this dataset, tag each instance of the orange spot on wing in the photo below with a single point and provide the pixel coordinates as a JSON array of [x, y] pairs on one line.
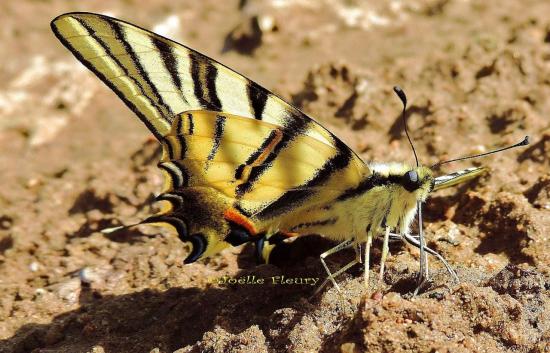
[[234, 216], [289, 234]]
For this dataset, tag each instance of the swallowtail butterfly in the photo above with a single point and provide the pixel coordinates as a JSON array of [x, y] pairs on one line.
[[240, 164]]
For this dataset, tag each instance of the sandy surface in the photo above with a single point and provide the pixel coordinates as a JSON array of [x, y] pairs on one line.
[[74, 160]]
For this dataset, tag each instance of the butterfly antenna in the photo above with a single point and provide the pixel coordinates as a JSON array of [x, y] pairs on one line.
[[523, 142], [403, 98]]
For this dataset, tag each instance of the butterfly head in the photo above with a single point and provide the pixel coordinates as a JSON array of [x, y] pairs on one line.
[[419, 179], [415, 182]]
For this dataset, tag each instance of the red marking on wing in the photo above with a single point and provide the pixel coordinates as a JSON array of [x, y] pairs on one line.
[[289, 234], [263, 155], [234, 216], [269, 148]]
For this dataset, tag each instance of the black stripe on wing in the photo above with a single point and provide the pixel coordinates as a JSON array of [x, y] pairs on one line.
[[204, 74], [370, 182], [169, 148], [294, 127], [191, 124], [254, 157], [295, 197], [170, 63], [178, 175], [218, 134], [174, 198], [172, 219], [318, 223], [121, 37], [257, 96], [102, 77]]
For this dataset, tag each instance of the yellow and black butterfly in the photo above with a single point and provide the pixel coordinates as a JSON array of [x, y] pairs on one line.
[[242, 165]]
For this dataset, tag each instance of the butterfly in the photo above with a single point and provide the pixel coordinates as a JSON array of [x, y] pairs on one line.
[[240, 164]]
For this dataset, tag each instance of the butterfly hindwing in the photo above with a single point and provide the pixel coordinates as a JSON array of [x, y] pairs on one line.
[[207, 158], [240, 158]]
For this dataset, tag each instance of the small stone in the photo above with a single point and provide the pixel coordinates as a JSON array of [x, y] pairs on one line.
[[97, 349], [32, 182], [69, 290], [34, 266], [267, 23], [89, 275], [348, 347], [377, 296]]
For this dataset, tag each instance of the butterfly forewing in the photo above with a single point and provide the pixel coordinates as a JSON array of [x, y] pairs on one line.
[[159, 78]]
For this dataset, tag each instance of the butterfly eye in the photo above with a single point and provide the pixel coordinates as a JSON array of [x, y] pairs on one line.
[[410, 180]]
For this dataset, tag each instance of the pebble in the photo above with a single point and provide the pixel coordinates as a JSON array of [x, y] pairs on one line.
[[69, 290], [267, 23], [348, 347], [90, 275], [34, 266]]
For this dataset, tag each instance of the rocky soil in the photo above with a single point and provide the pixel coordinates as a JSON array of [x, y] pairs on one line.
[[74, 160]]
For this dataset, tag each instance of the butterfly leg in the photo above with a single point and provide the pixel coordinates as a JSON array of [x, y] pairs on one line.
[[341, 246], [394, 237], [385, 251], [335, 274], [367, 259], [411, 239], [423, 273], [358, 255]]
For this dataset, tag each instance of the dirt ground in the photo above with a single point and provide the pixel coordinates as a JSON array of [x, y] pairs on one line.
[[75, 160]]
